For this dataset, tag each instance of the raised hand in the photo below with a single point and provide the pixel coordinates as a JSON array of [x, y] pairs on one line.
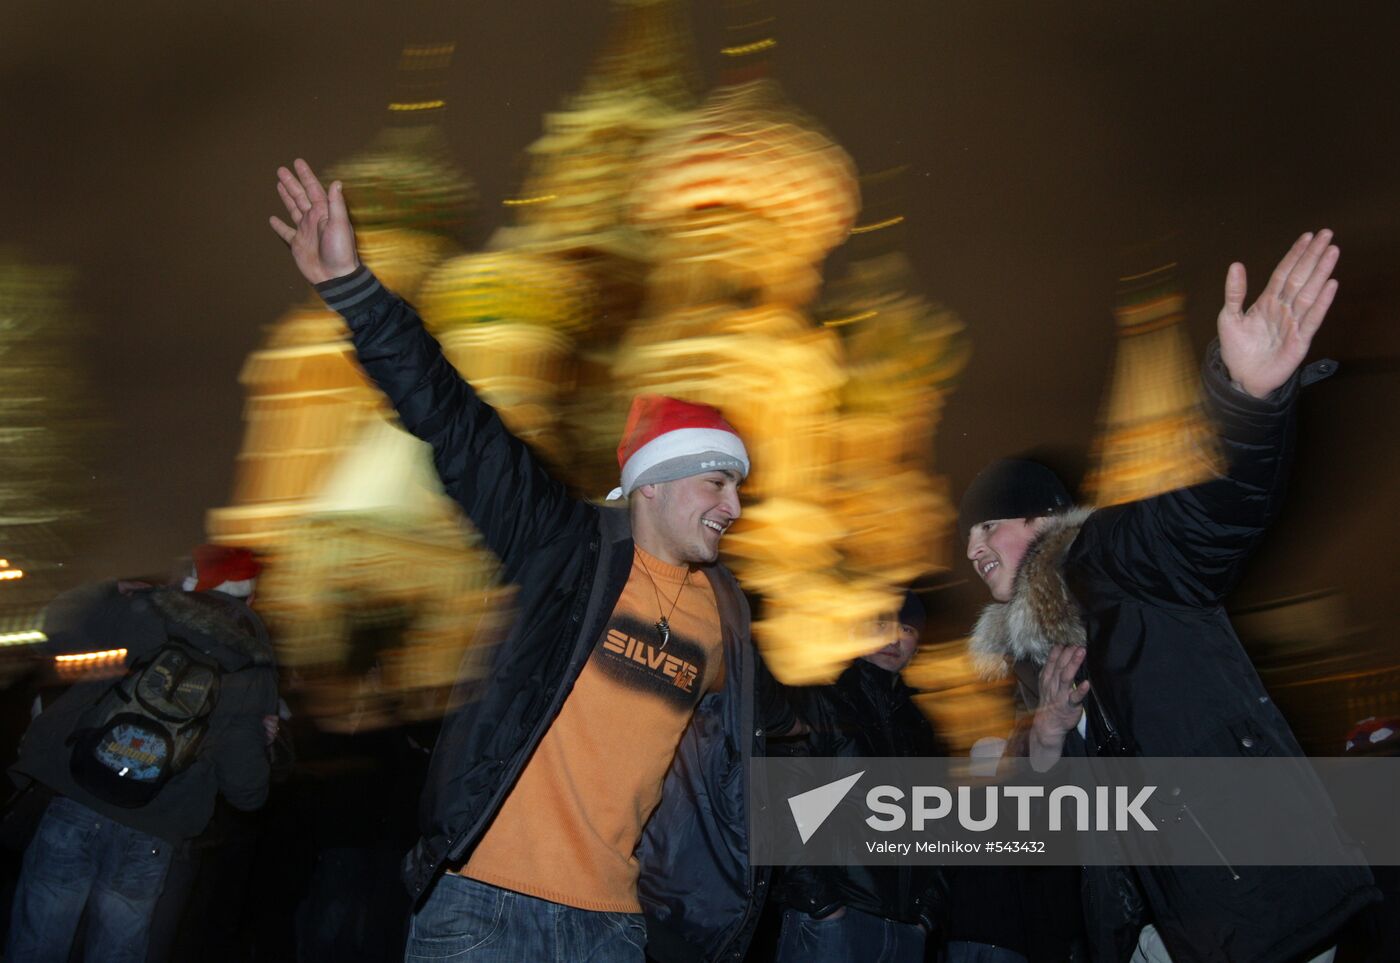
[[1263, 346], [1061, 700], [321, 237]]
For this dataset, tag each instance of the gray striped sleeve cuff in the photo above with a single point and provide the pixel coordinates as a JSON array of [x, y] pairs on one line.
[[355, 291]]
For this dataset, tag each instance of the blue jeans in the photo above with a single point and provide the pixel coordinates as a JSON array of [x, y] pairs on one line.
[[79, 858], [464, 919], [961, 951], [854, 936]]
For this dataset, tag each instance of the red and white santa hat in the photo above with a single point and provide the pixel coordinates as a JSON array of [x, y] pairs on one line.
[[223, 568], [667, 438]]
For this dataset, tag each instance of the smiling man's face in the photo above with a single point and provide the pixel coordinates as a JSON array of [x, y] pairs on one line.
[[692, 514], [996, 548]]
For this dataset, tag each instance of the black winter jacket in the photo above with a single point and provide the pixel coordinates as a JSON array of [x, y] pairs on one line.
[[1142, 586], [232, 758], [570, 561], [867, 712]]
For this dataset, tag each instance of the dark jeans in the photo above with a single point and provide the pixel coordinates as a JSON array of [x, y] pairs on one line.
[[854, 936], [467, 920], [81, 858], [961, 951]]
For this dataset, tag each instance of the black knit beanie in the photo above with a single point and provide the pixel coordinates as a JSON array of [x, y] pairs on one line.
[[911, 613], [1012, 488]]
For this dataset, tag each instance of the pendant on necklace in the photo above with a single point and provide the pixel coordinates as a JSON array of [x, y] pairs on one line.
[[664, 627]]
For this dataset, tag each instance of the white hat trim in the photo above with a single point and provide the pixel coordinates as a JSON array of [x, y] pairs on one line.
[[677, 444], [239, 589]]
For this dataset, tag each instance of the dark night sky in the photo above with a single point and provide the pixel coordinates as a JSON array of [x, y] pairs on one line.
[[1042, 138]]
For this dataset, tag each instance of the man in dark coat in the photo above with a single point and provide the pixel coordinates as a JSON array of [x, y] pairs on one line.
[[879, 914], [588, 797], [1113, 624], [112, 858]]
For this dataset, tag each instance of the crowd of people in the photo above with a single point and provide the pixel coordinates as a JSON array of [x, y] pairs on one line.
[[587, 797]]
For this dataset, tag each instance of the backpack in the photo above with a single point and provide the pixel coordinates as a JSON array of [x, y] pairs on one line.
[[147, 728]]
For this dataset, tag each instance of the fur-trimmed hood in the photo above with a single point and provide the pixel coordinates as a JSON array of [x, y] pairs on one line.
[[220, 617], [1041, 613]]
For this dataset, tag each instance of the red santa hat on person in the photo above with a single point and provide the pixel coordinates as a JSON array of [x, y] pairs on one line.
[[667, 438], [223, 568]]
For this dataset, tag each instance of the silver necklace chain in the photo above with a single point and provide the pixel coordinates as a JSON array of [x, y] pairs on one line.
[[663, 624]]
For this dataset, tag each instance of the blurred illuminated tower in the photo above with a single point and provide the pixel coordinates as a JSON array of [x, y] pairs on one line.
[[306, 396], [45, 438], [405, 182], [403, 574], [1152, 435], [507, 321], [745, 199], [578, 173], [571, 207], [903, 353]]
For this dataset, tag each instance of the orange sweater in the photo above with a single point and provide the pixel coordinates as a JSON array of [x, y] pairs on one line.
[[567, 831]]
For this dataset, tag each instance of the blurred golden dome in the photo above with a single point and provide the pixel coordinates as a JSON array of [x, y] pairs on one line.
[[406, 179], [512, 286], [747, 148]]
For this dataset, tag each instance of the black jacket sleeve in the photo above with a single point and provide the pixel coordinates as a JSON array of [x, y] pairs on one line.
[[772, 707], [1186, 546], [499, 483], [240, 751], [97, 617]]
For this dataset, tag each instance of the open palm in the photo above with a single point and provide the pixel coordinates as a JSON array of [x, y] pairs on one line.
[[1263, 346], [320, 235]]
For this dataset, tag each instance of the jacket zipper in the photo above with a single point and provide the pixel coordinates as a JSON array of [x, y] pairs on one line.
[[570, 674], [1210, 839]]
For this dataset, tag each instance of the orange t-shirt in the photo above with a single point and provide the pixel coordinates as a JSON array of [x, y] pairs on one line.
[[567, 830]]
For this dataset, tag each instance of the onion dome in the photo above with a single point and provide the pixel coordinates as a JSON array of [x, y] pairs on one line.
[[406, 178], [747, 148], [647, 51], [507, 286], [580, 169], [401, 258]]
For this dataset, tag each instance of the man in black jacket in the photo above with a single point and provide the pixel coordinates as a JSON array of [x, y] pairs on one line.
[[1113, 625], [588, 797], [872, 914], [107, 859]]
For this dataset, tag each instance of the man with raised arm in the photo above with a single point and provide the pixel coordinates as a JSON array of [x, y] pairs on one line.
[[1113, 624], [588, 798]]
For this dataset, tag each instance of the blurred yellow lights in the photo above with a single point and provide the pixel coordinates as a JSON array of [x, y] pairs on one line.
[[852, 319], [1169, 266], [11, 573], [91, 658], [418, 105], [743, 50], [22, 638], [430, 50], [878, 225], [523, 201]]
